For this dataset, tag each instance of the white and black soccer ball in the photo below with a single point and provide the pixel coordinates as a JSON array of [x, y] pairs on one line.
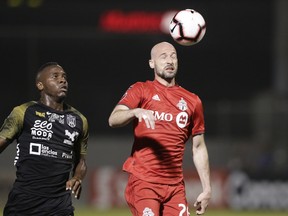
[[187, 27]]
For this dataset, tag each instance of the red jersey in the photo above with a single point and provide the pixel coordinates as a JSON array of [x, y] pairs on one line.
[[157, 155]]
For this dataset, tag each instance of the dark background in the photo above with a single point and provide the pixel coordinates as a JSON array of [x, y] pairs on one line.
[[239, 70], [231, 63]]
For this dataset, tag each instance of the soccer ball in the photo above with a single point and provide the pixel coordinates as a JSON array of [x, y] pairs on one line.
[[187, 27]]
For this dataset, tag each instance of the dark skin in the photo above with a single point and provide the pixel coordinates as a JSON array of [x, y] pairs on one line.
[[53, 87]]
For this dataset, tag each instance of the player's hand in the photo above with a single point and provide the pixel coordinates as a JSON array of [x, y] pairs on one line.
[[74, 184], [201, 203], [147, 116]]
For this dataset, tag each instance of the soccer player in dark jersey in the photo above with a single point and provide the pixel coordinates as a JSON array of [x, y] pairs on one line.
[[164, 116], [51, 143]]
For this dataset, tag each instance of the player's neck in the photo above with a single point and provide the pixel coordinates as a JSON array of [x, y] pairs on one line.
[[166, 82], [52, 103]]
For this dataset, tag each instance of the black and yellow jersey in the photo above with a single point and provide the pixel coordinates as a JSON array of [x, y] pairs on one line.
[[48, 143]]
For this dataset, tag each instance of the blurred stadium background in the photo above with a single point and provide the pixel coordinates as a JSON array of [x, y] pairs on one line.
[[239, 69]]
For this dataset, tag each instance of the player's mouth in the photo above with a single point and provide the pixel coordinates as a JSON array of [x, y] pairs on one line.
[[64, 88], [169, 67]]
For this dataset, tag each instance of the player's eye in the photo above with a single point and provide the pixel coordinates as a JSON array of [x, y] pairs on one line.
[[174, 56], [163, 56], [54, 75]]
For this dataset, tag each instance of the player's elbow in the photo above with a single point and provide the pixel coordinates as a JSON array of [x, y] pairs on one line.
[[112, 123]]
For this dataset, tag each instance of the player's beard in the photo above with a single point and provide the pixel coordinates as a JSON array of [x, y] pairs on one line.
[[167, 74]]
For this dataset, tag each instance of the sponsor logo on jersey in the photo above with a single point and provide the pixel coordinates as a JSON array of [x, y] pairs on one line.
[[40, 114], [71, 121], [156, 97], [17, 154], [42, 130], [43, 150], [53, 117], [71, 137], [181, 118], [67, 155], [163, 116]]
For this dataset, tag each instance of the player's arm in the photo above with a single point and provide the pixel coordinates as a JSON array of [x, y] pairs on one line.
[[13, 125], [122, 115], [75, 183], [79, 162], [3, 144], [201, 161]]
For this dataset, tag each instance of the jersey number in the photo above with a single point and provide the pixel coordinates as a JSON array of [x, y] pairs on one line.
[[184, 210]]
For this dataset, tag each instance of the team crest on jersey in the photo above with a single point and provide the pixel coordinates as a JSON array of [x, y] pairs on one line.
[[182, 104], [71, 121]]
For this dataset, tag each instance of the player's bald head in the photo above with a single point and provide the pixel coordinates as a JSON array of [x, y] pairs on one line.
[[160, 48]]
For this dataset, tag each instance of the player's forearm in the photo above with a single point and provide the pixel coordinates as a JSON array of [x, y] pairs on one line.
[[121, 118], [81, 170], [3, 144], [201, 161]]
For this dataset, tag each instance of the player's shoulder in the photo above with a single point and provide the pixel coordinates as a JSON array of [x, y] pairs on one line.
[[28, 104], [140, 84], [23, 107], [190, 94], [19, 111], [186, 91]]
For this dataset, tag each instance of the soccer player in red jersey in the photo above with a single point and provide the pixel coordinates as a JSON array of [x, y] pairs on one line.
[[164, 116]]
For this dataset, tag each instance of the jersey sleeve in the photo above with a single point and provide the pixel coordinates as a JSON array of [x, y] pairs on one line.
[[198, 118], [82, 142], [13, 124], [132, 96], [85, 136]]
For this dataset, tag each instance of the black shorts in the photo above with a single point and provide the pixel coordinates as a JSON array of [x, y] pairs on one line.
[[23, 204]]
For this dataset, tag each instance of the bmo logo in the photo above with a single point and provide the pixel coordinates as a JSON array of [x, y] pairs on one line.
[[181, 118], [163, 116]]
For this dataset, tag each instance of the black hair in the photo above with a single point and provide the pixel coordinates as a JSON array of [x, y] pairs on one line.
[[42, 67], [48, 64]]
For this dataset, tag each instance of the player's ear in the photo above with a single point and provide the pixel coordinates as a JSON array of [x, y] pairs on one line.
[[151, 63], [39, 86]]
